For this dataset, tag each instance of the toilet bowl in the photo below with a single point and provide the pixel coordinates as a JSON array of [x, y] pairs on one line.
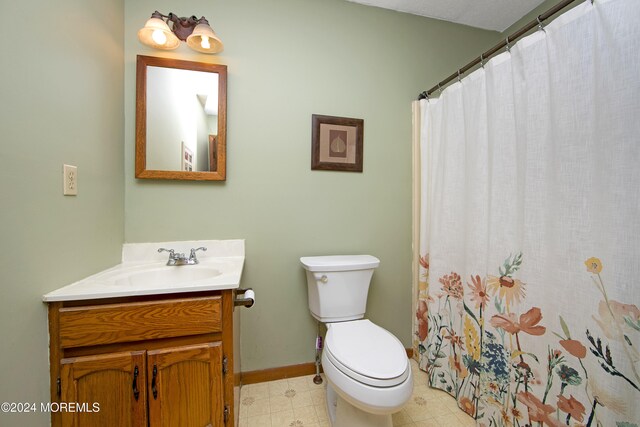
[[367, 368], [368, 373]]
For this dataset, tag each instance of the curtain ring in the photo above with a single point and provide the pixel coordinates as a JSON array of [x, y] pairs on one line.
[[508, 47], [459, 78], [540, 26], [439, 89], [482, 60]]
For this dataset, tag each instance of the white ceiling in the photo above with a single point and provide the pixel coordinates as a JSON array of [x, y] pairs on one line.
[[497, 15]]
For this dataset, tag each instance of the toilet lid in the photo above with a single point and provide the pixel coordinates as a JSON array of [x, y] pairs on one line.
[[367, 353]]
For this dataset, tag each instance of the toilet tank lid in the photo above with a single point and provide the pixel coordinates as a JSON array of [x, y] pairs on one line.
[[339, 262]]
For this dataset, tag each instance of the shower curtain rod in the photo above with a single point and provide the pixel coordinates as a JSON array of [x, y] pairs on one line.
[[505, 44]]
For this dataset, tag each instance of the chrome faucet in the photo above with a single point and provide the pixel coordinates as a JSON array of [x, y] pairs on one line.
[[181, 259]]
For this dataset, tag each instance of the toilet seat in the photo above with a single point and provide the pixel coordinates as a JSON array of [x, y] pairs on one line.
[[367, 353]]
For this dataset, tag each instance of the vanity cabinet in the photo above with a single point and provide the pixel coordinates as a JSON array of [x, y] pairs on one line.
[[164, 360]]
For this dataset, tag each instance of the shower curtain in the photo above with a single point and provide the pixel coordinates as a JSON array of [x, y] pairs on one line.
[[529, 253]]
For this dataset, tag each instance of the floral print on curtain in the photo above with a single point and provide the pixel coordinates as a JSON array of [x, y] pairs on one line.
[[491, 371]]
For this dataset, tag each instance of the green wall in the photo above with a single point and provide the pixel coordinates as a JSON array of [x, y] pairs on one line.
[[62, 94], [287, 60]]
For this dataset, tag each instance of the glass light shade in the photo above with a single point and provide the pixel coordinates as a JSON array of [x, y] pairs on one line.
[[204, 39], [156, 31]]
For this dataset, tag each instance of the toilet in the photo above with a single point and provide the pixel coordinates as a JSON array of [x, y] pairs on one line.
[[367, 370]]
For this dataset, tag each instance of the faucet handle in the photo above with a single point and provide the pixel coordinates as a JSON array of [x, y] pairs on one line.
[[192, 255], [172, 253]]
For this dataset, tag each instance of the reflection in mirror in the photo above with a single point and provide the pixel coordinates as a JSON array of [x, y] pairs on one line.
[[182, 116], [181, 132]]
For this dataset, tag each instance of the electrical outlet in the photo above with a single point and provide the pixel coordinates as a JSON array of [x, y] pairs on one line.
[[70, 180]]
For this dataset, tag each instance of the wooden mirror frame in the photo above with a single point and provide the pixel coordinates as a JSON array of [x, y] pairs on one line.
[[220, 173]]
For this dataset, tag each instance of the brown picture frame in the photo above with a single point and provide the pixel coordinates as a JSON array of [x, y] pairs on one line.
[[336, 143]]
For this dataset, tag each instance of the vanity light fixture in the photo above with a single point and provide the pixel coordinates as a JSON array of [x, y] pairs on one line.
[[166, 31]]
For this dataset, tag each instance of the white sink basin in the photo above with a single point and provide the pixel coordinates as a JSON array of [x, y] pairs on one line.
[[168, 276]]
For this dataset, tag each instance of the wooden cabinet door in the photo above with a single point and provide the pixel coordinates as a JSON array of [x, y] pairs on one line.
[[185, 386], [115, 381]]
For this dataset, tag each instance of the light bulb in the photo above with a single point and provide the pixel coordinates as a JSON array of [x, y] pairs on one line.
[[159, 37], [204, 42]]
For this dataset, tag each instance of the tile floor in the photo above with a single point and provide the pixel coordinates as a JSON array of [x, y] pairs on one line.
[[298, 402]]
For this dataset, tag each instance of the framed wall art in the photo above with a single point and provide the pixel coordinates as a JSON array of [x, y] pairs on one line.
[[336, 143]]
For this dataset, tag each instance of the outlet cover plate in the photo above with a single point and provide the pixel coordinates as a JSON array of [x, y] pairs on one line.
[[70, 180]]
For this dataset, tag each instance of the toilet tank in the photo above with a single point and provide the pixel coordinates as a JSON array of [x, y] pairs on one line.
[[338, 285]]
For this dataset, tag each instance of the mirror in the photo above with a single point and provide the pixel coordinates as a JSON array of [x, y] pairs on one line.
[[181, 119]]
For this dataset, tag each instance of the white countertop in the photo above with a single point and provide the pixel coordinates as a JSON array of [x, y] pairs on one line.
[[143, 271]]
